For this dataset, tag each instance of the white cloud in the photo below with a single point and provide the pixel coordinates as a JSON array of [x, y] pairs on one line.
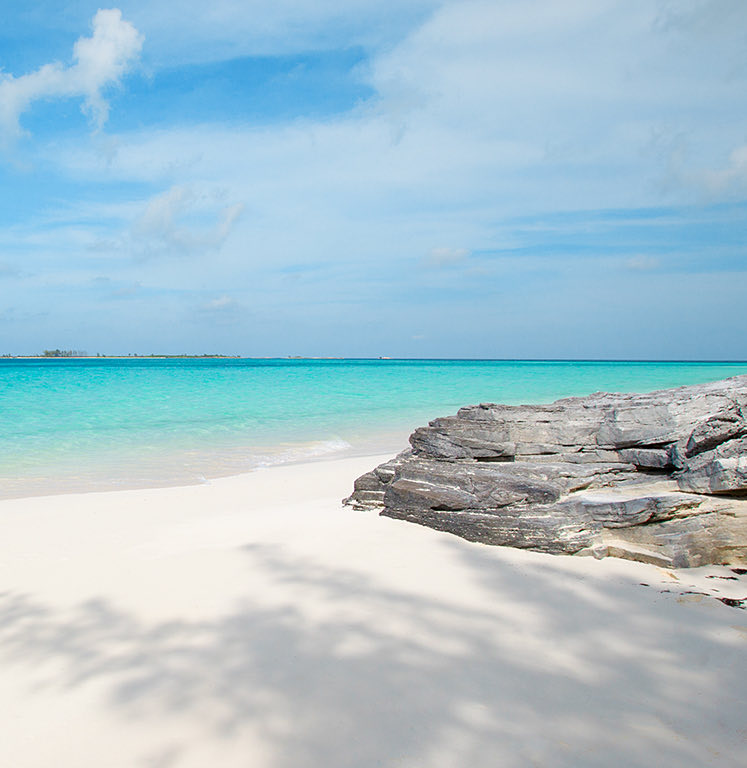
[[163, 224], [220, 304], [100, 61], [507, 107], [223, 29], [731, 178], [713, 181], [222, 309]]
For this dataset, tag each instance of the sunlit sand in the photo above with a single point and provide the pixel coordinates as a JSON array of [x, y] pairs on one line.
[[254, 621]]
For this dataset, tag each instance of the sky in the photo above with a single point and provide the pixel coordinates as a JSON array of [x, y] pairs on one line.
[[403, 178]]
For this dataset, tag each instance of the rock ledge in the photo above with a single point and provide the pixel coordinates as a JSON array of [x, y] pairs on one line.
[[658, 477]]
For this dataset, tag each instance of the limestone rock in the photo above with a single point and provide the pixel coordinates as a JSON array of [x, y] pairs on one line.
[[722, 469], [564, 477]]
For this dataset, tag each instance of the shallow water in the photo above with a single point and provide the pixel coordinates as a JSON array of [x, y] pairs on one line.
[[84, 424]]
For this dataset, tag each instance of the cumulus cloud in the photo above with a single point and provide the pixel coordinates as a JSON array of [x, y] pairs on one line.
[[163, 223], [100, 61]]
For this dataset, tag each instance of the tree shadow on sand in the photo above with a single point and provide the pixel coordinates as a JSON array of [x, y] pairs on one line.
[[380, 677]]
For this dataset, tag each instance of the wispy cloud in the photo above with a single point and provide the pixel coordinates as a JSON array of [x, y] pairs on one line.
[[165, 221], [190, 31], [219, 304], [444, 256], [221, 310], [117, 289], [720, 180], [100, 61], [642, 263], [732, 177]]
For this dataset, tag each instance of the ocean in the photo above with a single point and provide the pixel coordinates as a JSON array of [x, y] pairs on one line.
[[70, 425]]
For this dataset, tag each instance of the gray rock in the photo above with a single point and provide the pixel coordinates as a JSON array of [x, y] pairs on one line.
[[648, 458], [369, 489], [565, 477], [722, 469], [725, 425]]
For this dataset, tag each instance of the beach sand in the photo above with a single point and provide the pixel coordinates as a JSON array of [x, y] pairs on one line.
[[254, 621]]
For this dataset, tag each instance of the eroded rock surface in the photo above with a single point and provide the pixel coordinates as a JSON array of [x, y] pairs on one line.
[[659, 477]]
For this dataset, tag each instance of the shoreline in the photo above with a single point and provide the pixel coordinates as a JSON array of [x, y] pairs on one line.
[[156, 485], [255, 616], [381, 449], [125, 424]]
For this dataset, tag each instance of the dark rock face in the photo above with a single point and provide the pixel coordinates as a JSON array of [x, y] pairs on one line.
[[659, 477]]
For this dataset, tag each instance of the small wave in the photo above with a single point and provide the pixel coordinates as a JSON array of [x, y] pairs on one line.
[[301, 452]]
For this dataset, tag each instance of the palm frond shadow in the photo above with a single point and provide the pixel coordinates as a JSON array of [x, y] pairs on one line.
[[384, 678]]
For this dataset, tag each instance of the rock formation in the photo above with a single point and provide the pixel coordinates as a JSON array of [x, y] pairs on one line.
[[658, 477]]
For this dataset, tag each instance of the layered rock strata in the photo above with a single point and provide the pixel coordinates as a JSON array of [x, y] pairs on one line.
[[659, 477]]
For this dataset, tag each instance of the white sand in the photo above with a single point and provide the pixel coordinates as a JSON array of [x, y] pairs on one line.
[[255, 622]]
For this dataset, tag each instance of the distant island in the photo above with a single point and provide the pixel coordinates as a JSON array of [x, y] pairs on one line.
[[80, 354]]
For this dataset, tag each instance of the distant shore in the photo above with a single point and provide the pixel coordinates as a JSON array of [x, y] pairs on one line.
[[118, 357], [174, 357], [636, 361]]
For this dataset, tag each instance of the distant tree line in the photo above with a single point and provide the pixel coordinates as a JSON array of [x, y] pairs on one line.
[[83, 353], [64, 353]]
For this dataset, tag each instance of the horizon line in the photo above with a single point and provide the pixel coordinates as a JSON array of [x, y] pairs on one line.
[[383, 359]]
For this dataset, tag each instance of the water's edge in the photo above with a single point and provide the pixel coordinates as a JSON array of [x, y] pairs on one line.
[[103, 424]]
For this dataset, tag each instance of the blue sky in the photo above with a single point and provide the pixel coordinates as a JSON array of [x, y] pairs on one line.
[[421, 178]]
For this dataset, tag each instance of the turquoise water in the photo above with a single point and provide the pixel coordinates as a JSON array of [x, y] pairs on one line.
[[79, 424]]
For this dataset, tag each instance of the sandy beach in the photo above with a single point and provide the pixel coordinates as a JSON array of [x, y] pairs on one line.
[[254, 621], [250, 252]]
